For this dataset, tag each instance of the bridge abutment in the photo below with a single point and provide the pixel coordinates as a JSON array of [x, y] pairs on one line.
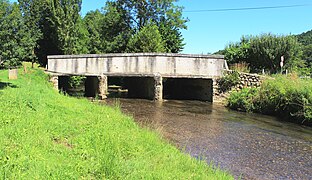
[[55, 81]]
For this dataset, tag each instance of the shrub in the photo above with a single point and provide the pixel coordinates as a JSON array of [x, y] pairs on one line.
[[75, 81], [286, 97], [243, 100], [228, 81]]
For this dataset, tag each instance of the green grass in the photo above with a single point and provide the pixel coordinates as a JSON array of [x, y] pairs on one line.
[[287, 97], [45, 135]]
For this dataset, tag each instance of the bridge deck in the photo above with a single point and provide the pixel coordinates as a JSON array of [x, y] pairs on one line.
[[138, 64]]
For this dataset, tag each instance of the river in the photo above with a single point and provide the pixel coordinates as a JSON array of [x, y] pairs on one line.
[[250, 146]]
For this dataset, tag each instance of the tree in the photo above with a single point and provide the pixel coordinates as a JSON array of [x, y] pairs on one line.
[[32, 16], [109, 29], [15, 39], [83, 41], [136, 14], [93, 21], [65, 18], [265, 51], [307, 54], [148, 39], [305, 38], [238, 52], [116, 28], [37, 15]]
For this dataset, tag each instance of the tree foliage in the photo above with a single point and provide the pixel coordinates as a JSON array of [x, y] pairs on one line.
[[32, 16], [265, 51], [65, 19], [33, 29], [165, 14], [306, 40], [112, 28], [15, 39], [148, 39]]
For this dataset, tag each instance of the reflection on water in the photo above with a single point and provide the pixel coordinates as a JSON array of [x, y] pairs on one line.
[[254, 146]]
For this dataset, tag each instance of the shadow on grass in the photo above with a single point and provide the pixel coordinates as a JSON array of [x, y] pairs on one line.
[[4, 85]]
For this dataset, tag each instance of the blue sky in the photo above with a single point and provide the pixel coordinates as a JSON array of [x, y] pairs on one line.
[[211, 31]]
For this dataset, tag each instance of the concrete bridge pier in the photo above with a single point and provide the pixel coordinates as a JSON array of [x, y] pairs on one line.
[[96, 86], [158, 88]]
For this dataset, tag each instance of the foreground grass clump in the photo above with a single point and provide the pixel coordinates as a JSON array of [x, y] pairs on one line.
[[45, 135], [287, 97]]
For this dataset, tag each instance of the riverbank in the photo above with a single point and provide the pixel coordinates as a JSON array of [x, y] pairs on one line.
[[287, 97], [47, 135]]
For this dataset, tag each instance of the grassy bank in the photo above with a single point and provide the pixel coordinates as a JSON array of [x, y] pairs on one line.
[[45, 135], [289, 98]]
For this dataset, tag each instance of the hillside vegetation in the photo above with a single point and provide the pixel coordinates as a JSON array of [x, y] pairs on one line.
[[45, 135], [305, 38]]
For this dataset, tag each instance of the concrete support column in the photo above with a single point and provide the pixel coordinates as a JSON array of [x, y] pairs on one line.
[[103, 87], [55, 81], [215, 89], [158, 88]]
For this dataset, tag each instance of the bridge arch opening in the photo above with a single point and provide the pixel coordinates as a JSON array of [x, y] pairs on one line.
[[188, 89], [144, 87], [131, 87]]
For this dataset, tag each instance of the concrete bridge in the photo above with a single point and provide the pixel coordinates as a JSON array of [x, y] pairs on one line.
[[145, 75]]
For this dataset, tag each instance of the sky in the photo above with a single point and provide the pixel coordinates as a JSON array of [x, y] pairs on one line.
[[210, 31]]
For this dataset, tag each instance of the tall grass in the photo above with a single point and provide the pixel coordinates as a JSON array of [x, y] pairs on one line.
[[45, 135], [285, 96]]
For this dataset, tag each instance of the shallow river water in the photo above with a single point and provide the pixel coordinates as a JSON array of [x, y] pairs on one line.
[[250, 146]]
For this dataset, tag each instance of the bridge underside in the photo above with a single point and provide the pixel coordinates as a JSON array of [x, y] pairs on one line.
[[153, 88]]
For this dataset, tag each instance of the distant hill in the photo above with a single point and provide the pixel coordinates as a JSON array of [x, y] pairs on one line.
[[305, 38]]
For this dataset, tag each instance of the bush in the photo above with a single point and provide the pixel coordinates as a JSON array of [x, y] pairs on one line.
[[75, 81], [228, 81], [243, 100], [286, 97]]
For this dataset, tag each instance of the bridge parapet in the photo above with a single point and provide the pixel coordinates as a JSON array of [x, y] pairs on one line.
[[139, 64]]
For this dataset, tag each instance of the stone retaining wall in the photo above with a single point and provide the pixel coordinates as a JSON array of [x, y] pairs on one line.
[[249, 80], [246, 80]]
